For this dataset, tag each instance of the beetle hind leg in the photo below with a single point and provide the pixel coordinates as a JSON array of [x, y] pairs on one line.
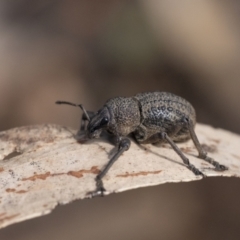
[[201, 152], [190, 166]]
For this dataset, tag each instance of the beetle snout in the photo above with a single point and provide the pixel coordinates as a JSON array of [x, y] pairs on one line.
[[98, 122], [94, 133]]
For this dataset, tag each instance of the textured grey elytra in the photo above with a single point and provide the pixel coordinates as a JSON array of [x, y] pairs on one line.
[[164, 112], [151, 117]]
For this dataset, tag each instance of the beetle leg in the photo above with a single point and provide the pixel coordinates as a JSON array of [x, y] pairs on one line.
[[181, 155], [201, 152], [85, 121], [124, 145], [81, 135]]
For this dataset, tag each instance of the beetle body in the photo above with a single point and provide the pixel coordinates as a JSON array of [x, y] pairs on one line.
[[146, 114], [152, 117]]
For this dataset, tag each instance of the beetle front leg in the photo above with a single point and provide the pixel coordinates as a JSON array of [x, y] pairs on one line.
[[201, 152], [81, 134], [124, 145], [85, 121]]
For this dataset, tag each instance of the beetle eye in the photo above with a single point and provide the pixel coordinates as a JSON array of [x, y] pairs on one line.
[[104, 121]]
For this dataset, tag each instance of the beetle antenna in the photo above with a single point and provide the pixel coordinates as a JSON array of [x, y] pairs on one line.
[[75, 105]]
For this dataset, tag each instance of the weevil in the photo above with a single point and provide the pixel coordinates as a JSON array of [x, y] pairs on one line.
[[151, 117]]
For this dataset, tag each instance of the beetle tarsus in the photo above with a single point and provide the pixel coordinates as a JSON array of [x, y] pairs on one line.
[[196, 171], [99, 192], [218, 167]]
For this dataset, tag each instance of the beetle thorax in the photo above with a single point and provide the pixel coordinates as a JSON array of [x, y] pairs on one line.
[[125, 115]]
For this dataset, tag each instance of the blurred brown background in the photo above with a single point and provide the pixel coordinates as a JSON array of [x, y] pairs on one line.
[[88, 51]]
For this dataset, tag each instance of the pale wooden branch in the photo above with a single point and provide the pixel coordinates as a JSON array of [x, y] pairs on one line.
[[43, 166]]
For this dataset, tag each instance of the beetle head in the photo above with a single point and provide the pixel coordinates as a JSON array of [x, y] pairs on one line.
[[98, 122]]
